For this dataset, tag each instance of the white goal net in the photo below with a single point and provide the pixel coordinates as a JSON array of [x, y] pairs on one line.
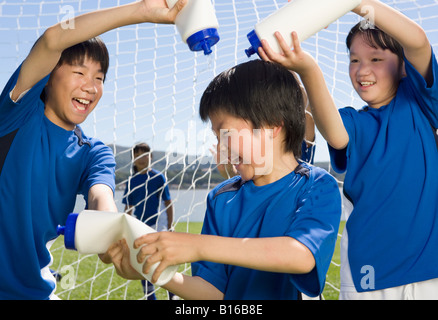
[[152, 95]]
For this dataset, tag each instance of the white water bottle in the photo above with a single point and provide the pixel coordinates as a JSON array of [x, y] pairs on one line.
[[197, 24], [306, 17], [92, 232]]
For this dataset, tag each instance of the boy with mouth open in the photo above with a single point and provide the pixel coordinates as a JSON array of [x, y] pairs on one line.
[[268, 233], [45, 158]]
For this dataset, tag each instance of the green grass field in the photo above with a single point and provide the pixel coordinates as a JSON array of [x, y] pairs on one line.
[[333, 276], [87, 278]]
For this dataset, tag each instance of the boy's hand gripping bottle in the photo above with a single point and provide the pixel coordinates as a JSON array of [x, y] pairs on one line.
[[92, 232], [306, 17], [197, 24]]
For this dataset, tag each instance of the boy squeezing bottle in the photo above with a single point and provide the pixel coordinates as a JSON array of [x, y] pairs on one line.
[[270, 232]]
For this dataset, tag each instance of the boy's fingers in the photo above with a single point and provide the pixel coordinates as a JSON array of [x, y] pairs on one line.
[[173, 12], [158, 271], [115, 248], [263, 54], [145, 251], [146, 239], [150, 261], [283, 45], [296, 42], [267, 53]]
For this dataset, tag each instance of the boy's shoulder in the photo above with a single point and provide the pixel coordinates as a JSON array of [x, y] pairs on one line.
[[315, 173], [308, 173], [153, 172], [349, 110], [92, 148], [94, 144], [232, 184], [156, 176]]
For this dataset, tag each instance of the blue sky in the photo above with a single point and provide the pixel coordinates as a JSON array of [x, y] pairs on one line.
[[155, 82]]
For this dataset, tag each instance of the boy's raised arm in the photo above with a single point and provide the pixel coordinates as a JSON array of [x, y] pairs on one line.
[[409, 34], [46, 53], [324, 110]]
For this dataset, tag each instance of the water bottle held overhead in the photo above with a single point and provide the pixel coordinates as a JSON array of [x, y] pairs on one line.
[[197, 24], [306, 17]]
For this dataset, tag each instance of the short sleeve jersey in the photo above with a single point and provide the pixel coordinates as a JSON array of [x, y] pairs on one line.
[[304, 205], [392, 180], [42, 169], [145, 192], [308, 152]]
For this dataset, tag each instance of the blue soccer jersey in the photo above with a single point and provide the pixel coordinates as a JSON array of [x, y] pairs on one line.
[[307, 152], [392, 180], [305, 205], [145, 192], [42, 168]]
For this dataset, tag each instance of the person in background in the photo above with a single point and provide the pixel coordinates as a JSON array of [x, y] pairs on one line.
[[145, 190]]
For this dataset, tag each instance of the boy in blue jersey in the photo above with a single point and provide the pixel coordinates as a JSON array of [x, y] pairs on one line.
[[146, 189], [388, 150], [270, 232], [45, 158], [144, 192]]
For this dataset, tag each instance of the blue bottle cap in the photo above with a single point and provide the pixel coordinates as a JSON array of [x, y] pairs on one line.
[[69, 231], [203, 40], [255, 43]]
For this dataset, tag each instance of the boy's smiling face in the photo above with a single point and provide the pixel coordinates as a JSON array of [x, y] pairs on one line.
[[375, 73], [249, 150], [72, 93], [142, 160]]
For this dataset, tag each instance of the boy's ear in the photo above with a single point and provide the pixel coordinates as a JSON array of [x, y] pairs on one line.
[[276, 131], [403, 70]]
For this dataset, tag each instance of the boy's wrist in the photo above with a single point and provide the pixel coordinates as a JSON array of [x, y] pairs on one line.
[[358, 9], [307, 68], [146, 12], [138, 12]]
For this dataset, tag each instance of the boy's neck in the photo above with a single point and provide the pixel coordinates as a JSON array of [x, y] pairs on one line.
[[143, 170], [284, 165]]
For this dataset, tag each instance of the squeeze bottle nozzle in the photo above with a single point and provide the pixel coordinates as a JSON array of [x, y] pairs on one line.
[[306, 17], [92, 232], [197, 24]]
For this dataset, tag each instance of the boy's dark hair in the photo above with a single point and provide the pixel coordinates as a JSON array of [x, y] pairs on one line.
[[262, 93], [375, 38], [94, 48], [141, 148]]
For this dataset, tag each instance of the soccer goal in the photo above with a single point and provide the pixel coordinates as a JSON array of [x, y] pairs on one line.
[[152, 95]]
